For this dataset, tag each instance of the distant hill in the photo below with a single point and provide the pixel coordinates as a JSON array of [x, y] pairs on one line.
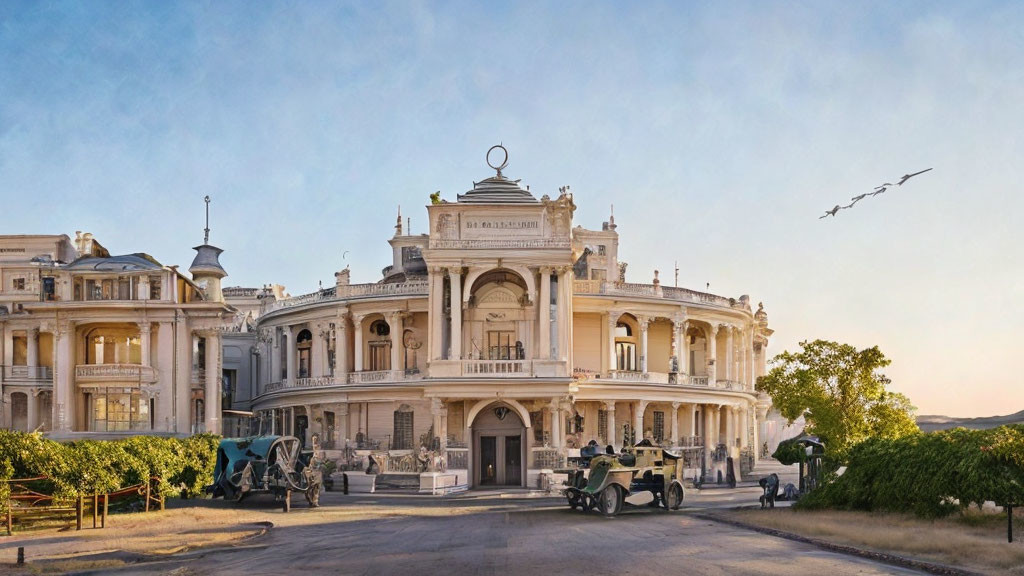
[[933, 423]]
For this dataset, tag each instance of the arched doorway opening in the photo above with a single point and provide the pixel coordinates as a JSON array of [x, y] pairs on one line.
[[499, 443], [304, 349]]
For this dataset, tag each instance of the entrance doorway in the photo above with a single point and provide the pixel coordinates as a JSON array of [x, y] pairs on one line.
[[498, 441]]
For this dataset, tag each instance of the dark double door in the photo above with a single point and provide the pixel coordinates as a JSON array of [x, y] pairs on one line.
[[501, 460]]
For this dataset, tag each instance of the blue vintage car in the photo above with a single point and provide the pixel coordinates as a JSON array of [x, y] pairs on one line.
[[266, 464]]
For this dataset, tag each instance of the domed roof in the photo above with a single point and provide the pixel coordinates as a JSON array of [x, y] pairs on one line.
[[497, 189], [125, 263]]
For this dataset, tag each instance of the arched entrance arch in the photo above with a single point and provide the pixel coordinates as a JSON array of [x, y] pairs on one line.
[[499, 443]]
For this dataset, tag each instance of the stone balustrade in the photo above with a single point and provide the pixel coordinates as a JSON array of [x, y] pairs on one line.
[[654, 291], [114, 372], [497, 368], [31, 373]]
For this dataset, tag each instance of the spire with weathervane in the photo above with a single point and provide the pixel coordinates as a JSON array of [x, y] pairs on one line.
[[206, 269]]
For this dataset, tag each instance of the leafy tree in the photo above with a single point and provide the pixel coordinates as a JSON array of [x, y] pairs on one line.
[[840, 392]]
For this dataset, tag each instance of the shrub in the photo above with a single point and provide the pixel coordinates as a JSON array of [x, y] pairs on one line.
[[184, 465], [930, 475]]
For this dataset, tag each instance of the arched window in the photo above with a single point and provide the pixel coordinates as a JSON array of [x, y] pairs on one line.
[[379, 346], [625, 347], [304, 348]]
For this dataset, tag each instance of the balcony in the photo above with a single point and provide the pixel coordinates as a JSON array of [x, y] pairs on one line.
[[32, 374], [376, 376], [498, 368], [86, 373], [637, 376], [729, 385], [604, 287]]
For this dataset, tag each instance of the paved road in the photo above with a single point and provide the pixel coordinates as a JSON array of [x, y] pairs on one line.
[[487, 534]]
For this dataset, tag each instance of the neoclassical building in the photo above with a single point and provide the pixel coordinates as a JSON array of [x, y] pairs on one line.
[[506, 338], [95, 345]]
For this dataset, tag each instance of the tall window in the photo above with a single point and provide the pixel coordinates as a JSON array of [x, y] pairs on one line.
[[19, 283], [330, 352], [502, 345], [379, 350], [402, 437], [659, 426], [537, 423], [602, 425], [304, 348], [625, 350], [154, 287], [119, 412]]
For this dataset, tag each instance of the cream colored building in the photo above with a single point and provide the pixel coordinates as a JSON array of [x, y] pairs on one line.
[[505, 339], [100, 345]]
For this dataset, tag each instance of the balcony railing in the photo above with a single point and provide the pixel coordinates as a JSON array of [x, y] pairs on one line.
[[199, 376], [654, 291], [497, 368], [33, 373], [729, 384], [637, 376], [415, 287], [698, 380], [114, 372]]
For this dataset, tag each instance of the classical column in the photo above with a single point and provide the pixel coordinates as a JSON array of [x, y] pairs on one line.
[[613, 321], [729, 367], [709, 442], [611, 432], [275, 356], [341, 348], [64, 376], [744, 426], [712, 358], [675, 423], [292, 352], [677, 345], [143, 289], [730, 426], [556, 423], [33, 350], [638, 420], [145, 340], [564, 313], [751, 380], [440, 414], [341, 424], [212, 398], [436, 318], [357, 327], [644, 322], [397, 329], [316, 354], [455, 277], [693, 420], [544, 314], [33, 409], [684, 360]]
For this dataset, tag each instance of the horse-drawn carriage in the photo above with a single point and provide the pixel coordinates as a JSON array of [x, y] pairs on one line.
[[604, 480], [266, 464]]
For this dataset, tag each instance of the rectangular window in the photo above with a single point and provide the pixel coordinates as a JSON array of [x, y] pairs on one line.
[[502, 345], [602, 425], [402, 438], [600, 249], [124, 288], [120, 412], [154, 287], [456, 423], [331, 343], [380, 355], [19, 283], [596, 274], [659, 426], [49, 289]]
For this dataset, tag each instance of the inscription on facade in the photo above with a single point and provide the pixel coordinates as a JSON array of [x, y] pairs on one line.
[[490, 227]]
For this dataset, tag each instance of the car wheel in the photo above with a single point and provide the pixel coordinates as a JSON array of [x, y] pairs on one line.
[[610, 500], [674, 498]]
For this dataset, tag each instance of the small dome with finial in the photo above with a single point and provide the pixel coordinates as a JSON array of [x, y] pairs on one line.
[[497, 189]]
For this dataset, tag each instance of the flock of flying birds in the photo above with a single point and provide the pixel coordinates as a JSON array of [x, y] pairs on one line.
[[878, 190]]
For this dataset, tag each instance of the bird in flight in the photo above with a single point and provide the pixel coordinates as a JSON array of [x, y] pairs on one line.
[[909, 176], [857, 199], [831, 212]]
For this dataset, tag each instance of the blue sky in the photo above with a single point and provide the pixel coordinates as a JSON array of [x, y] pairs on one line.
[[720, 132]]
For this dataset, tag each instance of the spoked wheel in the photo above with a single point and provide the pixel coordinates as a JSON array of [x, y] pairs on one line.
[[674, 498], [610, 500], [574, 499]]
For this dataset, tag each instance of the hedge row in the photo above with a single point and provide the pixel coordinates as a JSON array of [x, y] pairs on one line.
[[184, 465], [930, 475]]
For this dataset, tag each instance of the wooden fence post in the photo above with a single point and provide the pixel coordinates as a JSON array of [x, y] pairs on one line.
[[147, 496], [106, 503], [78, 512], [10, 518], [95, 510]]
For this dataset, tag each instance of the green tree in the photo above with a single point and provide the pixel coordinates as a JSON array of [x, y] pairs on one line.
[[841, 393]]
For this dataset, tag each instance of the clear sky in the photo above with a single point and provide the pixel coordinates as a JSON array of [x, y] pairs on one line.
[[720, 132]]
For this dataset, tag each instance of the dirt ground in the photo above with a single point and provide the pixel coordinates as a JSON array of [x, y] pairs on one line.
[[472, 533], [976, 541]]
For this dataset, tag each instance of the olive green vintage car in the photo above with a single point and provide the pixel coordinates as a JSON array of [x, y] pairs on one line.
[[605, 480]]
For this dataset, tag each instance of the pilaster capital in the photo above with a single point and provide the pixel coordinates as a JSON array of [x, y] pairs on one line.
[[144, 325], [676, 405], [609, 406], [454, 271], [714, 330], [544, 270], [287, 329], [33, 332], [641, 405]]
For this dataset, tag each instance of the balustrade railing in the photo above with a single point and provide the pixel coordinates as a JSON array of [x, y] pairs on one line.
[[637, 376], [497, 368], [128, 372], [369, 376], [654, 291], [698, 380], [34, 373], [458, 458], [546, 458], [392, 289], [729, 384]]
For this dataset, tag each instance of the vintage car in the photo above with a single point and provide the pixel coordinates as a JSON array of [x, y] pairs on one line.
[[266, 464], [604, 480]]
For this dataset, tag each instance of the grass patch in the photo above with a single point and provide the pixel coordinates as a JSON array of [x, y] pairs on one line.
[[974, 541]]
